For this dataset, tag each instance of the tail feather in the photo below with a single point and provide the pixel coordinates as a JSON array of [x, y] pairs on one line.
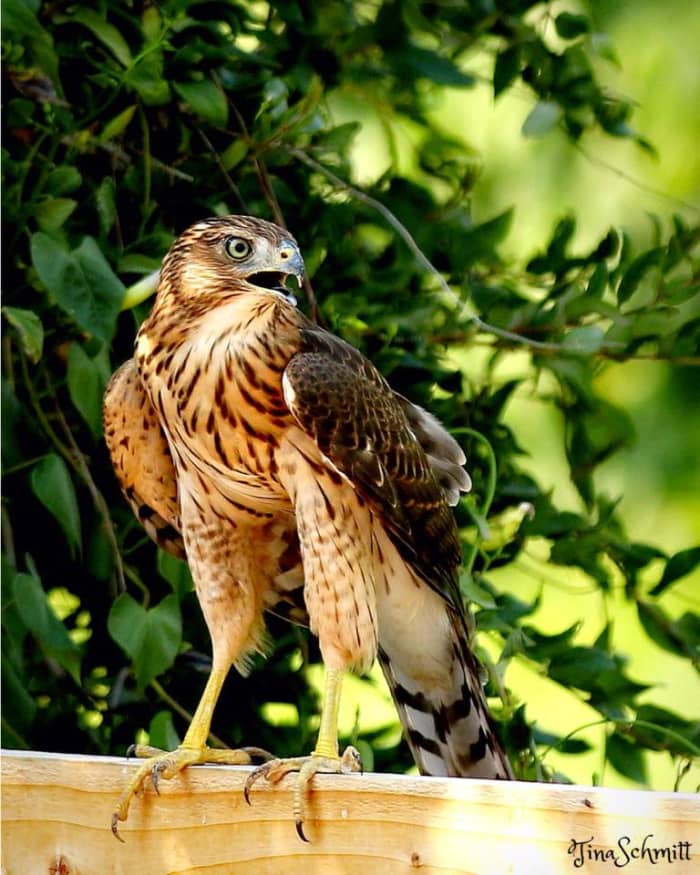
[[448, 728]]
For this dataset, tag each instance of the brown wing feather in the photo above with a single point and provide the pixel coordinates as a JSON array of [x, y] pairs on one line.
[[360, 425], [141, 458]]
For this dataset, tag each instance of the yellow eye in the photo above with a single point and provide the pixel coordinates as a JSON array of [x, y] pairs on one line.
[[238, 248]]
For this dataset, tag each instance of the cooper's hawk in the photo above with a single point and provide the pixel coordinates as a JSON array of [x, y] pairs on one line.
[[274, 456]]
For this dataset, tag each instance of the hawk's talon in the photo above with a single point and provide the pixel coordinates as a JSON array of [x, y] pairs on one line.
[[273, 771], [307, 767], [163, 765], [155, 776], [300, 830], [115, 827]]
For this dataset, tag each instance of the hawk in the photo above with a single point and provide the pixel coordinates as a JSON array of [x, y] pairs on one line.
[[274, 457]]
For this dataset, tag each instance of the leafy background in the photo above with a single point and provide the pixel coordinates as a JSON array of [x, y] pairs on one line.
[[485, 211]]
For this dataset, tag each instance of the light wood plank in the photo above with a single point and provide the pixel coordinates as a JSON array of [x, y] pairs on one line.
[[56, 812]]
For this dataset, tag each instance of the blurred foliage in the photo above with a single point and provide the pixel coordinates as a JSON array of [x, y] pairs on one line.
[[127, 122]]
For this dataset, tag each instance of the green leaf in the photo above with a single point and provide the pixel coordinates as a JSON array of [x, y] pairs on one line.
[[126, 623], [176, 572], [162, 733], [339, 139], [99, 559], [21, 25], [677, 567], [584, 340], [18, 707], [161, 642], [607, 247], [151, 638], [235, 153], [664, 632], [598, 281], [138, 263], [106, 207], [544, 116], [151, 23], [117, 125], [81, 281], [475, 593], [205, 99], [274, 99], [658, 738], [655, 322], [30, 330], [541, 646], [63, 180], [477, 243], [636, 271], [579, 666], [687, 629], [570, 25], [105, 32], [86, 387], [36, 613], [506, 69], [147, 79], [51, 213], [52, 485], [626, 757], [427, 64], [19, 21]]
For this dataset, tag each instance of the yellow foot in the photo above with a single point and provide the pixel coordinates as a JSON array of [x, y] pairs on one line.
[[274, 770], [162, 764]]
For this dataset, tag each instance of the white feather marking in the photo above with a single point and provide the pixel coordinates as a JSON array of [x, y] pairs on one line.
[[431, 764], [290, 396]]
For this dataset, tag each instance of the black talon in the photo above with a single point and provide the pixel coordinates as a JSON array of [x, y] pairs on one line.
[[250, 780], [131, 751], [300, 831], [155, 777], [115, 828]]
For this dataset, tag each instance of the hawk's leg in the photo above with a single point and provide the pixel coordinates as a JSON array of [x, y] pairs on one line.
[[193, 750], [323, 760]]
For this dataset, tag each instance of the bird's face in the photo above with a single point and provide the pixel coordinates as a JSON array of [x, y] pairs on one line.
[[233, 254]]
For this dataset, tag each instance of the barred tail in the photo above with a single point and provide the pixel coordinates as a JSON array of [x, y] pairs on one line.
[[447, 725]]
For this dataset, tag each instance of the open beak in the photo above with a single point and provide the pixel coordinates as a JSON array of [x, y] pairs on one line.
[[289, 263], [294, 263]]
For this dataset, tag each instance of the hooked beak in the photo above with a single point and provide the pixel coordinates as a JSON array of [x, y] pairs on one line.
[[294, 266], [289, 263]]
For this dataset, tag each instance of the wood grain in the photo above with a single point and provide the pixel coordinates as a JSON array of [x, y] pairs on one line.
[[56, 812]]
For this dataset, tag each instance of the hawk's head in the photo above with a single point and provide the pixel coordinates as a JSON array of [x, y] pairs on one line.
[[232, 254]]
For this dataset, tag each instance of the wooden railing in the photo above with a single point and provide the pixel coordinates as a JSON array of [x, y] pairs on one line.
[[56, 821]]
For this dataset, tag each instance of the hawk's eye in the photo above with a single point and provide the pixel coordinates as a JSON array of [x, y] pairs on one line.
[[238, 248]]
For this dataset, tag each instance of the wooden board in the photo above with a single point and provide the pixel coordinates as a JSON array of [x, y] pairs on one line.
[[56, 821]]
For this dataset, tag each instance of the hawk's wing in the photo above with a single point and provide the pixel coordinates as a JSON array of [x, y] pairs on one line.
[[141, 458], [373, 437], [412, 470], [396, 457]]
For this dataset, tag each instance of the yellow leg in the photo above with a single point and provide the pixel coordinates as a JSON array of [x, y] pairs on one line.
[[166, 764], [198, 732], [327, 741], [324, 758]]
